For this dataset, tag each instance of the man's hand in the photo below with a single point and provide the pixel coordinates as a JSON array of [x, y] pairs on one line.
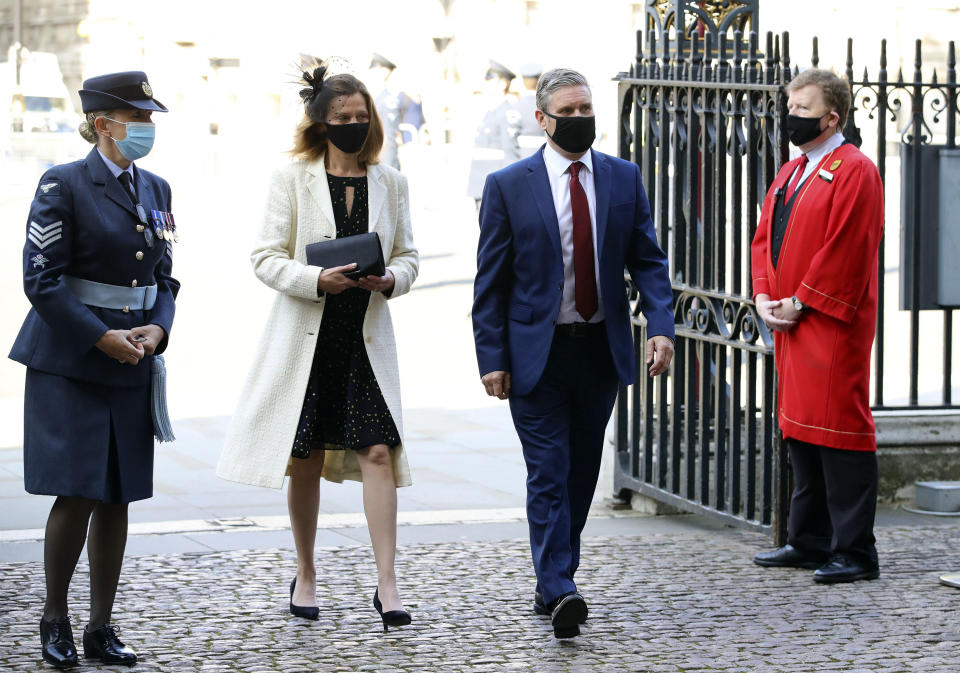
[[332, 280], [116, 343], [497, 384], [777, 316], [382, 283], [660, 353], [148, 336]]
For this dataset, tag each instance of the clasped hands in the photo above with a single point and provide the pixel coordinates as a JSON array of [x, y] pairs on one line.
[[779, 314], [129, 346], [332, 280]]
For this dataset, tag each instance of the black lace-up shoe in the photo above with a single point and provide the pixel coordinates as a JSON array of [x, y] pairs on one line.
[[102, 643], [56, 638]]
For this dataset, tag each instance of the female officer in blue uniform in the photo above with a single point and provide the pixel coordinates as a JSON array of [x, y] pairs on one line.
[[96, 268]]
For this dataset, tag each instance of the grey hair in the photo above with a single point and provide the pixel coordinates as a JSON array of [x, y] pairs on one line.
[[555, 79], [87, 129]]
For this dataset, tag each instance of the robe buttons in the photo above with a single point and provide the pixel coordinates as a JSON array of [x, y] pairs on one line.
[[140, 228], [139, 255], [133, 283], [126, 309]]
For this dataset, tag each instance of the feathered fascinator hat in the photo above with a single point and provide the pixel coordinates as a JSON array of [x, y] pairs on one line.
[[313, 77]]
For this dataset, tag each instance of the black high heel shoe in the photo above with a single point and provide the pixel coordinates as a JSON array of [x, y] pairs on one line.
[[392, 617], [304, 612]]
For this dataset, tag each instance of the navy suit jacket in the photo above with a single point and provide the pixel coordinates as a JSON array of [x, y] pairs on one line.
[[82, 224], [519, 281]]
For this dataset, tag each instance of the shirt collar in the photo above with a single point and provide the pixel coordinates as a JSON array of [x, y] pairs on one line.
[[114, 169], [557, 164], [820, 151]]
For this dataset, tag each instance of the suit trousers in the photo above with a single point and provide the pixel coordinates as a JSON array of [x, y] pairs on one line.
[[834, 501], [561, 425]]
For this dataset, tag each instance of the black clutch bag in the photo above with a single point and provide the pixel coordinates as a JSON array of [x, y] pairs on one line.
[[364, 249]]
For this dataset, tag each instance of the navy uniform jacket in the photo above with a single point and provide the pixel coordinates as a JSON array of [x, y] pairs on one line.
[[82, 224]]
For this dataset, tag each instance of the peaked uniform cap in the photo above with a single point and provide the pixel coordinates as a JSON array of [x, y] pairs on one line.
[[119, 90]]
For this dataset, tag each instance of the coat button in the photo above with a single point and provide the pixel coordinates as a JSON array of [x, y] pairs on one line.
[[369, 339], [140, 228], [133, 283], [126, 309], [139, 255]]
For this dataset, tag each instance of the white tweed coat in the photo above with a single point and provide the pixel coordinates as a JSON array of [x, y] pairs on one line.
[[298, 212]]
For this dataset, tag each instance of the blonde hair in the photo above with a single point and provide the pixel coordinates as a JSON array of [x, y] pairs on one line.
[[87, 127], [836, 90]]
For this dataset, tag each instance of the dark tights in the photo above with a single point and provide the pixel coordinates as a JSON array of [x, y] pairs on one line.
[[63, 541]]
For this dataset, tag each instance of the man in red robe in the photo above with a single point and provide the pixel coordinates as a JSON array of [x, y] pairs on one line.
[[814, 263]]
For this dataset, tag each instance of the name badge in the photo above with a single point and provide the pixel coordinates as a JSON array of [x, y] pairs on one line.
[[825, 175]]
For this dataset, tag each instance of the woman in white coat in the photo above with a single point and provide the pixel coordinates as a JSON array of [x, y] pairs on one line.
[[324, 396]]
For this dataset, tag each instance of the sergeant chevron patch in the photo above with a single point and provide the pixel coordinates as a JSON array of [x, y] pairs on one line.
[[44, 236]]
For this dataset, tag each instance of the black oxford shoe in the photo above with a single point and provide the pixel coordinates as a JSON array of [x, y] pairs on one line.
[[56, 638], [539, 607], [788, 556], [569, 611], [842, 568], [102, 643]]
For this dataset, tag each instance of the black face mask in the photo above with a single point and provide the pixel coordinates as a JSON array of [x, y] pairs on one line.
[[801, 130], [348, 138], [574, 134]]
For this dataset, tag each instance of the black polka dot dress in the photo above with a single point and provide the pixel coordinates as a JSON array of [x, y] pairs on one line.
[[343, 407]]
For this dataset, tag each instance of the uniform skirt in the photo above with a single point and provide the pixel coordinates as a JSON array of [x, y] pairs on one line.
[[87, 440]]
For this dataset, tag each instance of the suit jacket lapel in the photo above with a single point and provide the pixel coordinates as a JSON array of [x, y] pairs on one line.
[[112, 188], [376, 197], [320, 190], [601, 185], [540, 186]]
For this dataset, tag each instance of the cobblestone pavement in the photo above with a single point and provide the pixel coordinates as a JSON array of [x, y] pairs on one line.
[[687, 601]]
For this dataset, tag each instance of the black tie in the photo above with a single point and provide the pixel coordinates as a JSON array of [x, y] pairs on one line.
[[127, 183]]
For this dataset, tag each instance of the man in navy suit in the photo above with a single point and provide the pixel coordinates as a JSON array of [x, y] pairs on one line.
[[551, 319]]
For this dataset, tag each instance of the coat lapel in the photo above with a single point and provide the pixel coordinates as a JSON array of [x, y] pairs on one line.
[[320, 191], [601, 185], [540, 186], [102, 176], [376, 198]]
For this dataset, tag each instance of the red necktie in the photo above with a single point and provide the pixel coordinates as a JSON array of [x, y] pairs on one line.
[[792, 187], [585, 279]]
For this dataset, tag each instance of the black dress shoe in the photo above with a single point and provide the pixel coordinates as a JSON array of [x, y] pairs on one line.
[[390, 617], [310, 612], [539, 607], [569, 611], [56, 638], [102, 643], [790, 557], [842, 568]]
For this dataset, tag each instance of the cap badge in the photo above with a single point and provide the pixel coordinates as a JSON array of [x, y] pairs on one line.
[[147, 89]]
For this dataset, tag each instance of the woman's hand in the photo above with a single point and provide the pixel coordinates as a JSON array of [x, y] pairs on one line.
[[772, 313], [148, 336], [382, 283], [117, 344], [332, 280]]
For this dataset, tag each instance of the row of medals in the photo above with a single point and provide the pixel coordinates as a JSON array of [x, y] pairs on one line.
[[163, 225]]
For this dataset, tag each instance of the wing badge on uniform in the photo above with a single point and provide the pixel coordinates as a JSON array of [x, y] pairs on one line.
[[50, 188], [44, 236], [39, 260]]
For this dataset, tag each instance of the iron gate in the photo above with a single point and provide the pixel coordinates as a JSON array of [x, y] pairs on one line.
[[700, 113]]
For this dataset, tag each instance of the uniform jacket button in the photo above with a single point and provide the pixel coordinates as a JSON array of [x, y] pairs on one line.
[[126, 309], [139, 255], [133, 283], [140, 228]]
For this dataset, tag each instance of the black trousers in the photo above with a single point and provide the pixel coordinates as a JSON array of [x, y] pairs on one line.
[[834, 501]]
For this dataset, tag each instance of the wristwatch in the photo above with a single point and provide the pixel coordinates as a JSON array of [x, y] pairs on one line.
[[797, 304]]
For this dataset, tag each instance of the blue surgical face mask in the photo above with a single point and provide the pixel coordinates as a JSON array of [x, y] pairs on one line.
[[139, 140]]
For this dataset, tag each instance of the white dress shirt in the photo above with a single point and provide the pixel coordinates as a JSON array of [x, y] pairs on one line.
[[558, 170], [815, 155]]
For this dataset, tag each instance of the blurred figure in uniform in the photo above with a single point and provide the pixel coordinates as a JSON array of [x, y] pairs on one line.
[[96, 268], [496, 142], [530, 136], [388, 107]]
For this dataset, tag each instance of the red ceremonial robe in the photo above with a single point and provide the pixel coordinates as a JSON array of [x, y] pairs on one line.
[[828, 259]]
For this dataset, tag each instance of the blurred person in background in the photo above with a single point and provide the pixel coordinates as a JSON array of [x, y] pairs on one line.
[[387, 101], [96, 270], [495, 145], [323, 399], [529, 134]]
